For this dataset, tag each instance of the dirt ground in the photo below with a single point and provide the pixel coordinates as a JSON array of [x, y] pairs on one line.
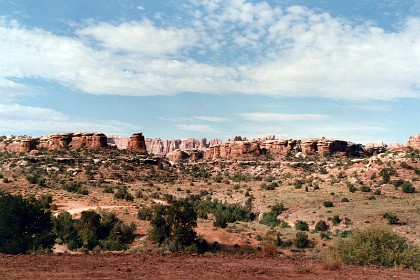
[[175, 266]]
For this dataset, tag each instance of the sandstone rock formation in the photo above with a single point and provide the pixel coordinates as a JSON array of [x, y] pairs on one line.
[[88, 140], [278, 148], [233, 150], [56, 141], [137, 144], [20, 145], [414, 141], [161, 147], [120, 142], [375, 148]]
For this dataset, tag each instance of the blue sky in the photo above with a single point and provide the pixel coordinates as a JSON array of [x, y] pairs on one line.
[[176, 69]]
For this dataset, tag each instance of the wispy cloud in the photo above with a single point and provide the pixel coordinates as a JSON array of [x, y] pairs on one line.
[[200, 128], [274, 117], [212, 119], [16, 118]]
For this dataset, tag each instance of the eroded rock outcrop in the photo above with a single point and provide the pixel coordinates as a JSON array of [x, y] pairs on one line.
[[56, 141], [88, 140], [414, 142], [233, 150], [374, 149], [161, 147], [120, 143], [137, 144], [20, 145], [277, 147]]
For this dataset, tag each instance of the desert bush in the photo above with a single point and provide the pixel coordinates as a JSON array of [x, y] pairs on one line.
[[408, 187], [301, 240], [75, 187], [122, 193], [298, 183], [270, 219], [377, 192], [93, 230], [145, 214], [277, 208], [65, 229], [328, 203], [174, 225], [336, 220], [302, 225], [377, 245], [352, 188], [321, 226], [270, 186], [268, 246], [108, 189], [365, 189], [344, 199], [25, 225], [392, 218]]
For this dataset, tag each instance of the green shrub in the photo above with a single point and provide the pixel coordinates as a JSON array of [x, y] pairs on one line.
[[392, 218], [377, 192], [365, 189], [408, 187], [344, 199], [336, 220], [122, 193], [321, 226], [328, 203], [278, 208], [377, 245], [270, 219], [145, 214], [302, 225], [301, 240]]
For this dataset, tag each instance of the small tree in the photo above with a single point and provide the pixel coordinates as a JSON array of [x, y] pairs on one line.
[[174, 223]]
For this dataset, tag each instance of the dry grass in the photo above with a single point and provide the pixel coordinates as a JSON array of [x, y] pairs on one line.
[[332, 260], [268, 246]]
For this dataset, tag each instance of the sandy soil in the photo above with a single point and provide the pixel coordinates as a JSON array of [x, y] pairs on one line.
[[124, 266]]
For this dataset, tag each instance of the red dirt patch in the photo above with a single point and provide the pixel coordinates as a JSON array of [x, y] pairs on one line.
[[176, 266]]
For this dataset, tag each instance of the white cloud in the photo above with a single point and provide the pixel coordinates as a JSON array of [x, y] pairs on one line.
[[15, 118], [140, 38], [212, 119], [248, 48], [201, 128], [274, 117]]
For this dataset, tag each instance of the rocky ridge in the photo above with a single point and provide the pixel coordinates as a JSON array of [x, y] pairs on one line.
[[240, 148]]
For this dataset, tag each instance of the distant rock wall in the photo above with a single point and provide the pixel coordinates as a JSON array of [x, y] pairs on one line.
[[192, 149], [161, 147]]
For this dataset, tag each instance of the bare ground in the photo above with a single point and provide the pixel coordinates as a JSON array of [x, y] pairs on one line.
[[176, 266]]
